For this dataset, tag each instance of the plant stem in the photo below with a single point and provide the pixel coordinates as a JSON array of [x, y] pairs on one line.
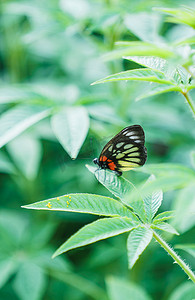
[[191, 104], [175, 256]]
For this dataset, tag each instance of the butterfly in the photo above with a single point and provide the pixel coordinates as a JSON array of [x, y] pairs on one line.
[[125, 151]]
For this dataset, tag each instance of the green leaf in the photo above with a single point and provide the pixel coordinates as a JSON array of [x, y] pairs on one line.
[[120, 187], [7, 268], [26, 152], [85, 203], [139, 48], [71, 127], [184, 206], [17, 119], [189, 248], [121, 289], [165, 227], [144, 25], [184, 291], [6, 166], [96, 231], [12, 94], [163, 216], [184, 15], [192, 156], [29, 282], [156, 89], [137, 242], [151, 62], [152, 201], [138, 75], [169, 176]]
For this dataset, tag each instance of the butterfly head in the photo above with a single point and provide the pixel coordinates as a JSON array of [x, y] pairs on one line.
[[96, 161]]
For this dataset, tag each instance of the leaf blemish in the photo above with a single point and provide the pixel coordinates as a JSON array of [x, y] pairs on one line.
[[49, 205]]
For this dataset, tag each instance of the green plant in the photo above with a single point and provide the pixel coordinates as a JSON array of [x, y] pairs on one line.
[[135, 214]]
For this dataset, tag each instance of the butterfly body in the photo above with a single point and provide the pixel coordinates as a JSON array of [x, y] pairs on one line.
[[125, 151]]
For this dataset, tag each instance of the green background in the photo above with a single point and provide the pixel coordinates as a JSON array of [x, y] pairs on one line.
[[50, 53]]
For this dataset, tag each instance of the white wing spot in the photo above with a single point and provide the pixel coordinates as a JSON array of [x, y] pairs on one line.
[[110, 148], [119, 145], [130, 133]]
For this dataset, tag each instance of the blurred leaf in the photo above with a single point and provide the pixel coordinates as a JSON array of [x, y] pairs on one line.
[[6, 165], [26, 152], [168, 176], [96, 231], [184, 291], [193, 159], [184, 15], [189, 248], [164, 216], [88, 287], [12, 226], [121, 289], [144, 25], [120, 187], [137, 241], [84, 203], [139, 48], [30, 282], [153, 201], [139, 75], [17, 119], [71, 127], [156, 89], [184, 206], [7, 268], [12, 94], [105, 113], [165, 227]]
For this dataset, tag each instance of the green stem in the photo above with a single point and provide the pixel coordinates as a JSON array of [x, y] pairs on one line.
[[175, 256], [191, 104]]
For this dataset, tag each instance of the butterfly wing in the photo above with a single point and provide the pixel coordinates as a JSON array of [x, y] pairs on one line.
[[126, 150]]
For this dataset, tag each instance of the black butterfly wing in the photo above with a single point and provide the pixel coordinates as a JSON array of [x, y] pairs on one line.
[[125, 150]]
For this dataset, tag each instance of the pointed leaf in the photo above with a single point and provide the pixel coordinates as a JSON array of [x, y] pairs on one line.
[[18, 119], [165, 227], [137, 241], [152, 62], [163, 216], [152, 201], [70, 127], [121, 188], [96, 231], [84, 203], [138, 75]]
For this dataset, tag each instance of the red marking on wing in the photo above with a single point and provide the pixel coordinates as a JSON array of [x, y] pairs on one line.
[[103, 158], [109, 160], [112, 166]]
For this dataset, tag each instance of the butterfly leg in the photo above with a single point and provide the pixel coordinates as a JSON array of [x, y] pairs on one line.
[[118, 173]]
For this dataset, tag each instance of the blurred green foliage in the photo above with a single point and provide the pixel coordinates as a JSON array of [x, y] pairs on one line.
[[50, 53]]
